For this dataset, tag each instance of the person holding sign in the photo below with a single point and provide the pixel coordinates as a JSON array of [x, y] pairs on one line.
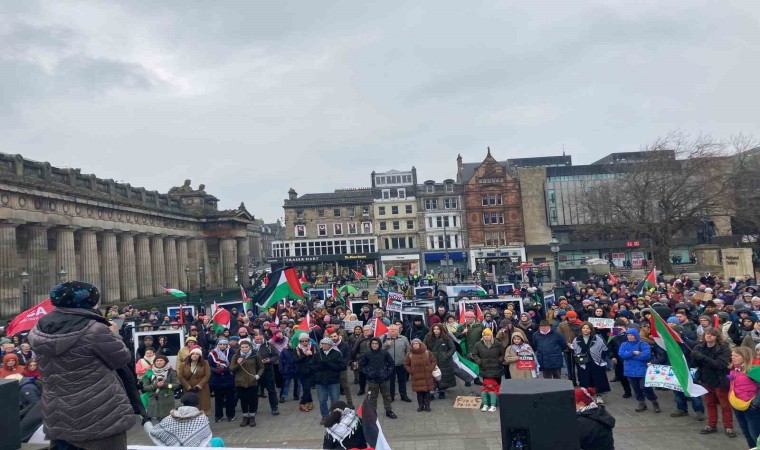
[[589, 356], [520, 357]]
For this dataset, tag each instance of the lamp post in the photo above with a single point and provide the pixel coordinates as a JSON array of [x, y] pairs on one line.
[[187, 281], [201, 281], [62, 276], [24, 276], [554, 247]]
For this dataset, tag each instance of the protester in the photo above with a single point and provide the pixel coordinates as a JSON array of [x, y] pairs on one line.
[[443, 349], [488, 354], [305, 352], [520, 358], [743, 394], [636, 354], [222, 381], [160, 383], [187, 426], [378, 367], [550, 347], [327, 364], [343, 428], [590, 353], [420, 363], [712, 358], [594, 423], [397, 346], [248, 369]]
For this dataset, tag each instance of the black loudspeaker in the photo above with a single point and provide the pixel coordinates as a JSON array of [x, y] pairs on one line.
[[10, 425], [538, 414]]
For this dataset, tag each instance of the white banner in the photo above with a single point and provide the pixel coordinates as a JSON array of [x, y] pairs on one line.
[[663, 377], [600, 322]]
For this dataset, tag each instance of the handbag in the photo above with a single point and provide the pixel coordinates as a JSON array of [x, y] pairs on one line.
[[737, 403], [581, 359], [437, 373]]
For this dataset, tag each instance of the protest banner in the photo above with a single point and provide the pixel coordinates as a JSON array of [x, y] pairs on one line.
[[662, 376], [351, 324], [602, 323], [467, 402]]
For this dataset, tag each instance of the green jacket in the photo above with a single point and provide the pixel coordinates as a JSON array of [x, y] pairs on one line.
[[470, 338], [245, 372]]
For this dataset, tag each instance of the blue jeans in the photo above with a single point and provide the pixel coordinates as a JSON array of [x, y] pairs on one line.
[[637, 383], [749, 422], [287, 380], [683, 405], [323, 392]]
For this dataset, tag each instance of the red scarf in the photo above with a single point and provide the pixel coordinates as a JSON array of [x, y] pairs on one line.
[[35, 373], [575, 322]]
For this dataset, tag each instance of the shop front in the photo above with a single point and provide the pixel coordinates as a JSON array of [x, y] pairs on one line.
[[446, 262], [497, 262], [405, 264], [318, 267]]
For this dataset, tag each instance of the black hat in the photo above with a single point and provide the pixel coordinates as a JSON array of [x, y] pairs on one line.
[[75, 294]]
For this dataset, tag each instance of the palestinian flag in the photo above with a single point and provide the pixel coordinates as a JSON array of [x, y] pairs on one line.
[[304, 281], [283, 283], [465, 367], [373, 432], [246, 300], [359, 276], [221, 320], [668, 340], [399, 280], [649, 283], [390, 273], [478, 313], [380, 328], [462, 310], [175, 292], [335, 293], [480, 291]]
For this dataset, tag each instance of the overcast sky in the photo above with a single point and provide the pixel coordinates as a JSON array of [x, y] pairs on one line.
[[254, 97]]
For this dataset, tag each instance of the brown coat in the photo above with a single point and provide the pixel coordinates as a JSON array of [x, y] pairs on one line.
[[511, 357], [189, 380], [420, 364]]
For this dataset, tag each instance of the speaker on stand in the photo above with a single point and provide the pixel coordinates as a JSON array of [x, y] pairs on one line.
[[538, 414], [10, 425]]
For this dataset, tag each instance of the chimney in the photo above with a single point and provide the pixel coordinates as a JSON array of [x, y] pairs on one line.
[[292, 194], [460, 167]]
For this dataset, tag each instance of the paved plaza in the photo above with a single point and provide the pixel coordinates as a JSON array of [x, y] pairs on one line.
[[448, 428]]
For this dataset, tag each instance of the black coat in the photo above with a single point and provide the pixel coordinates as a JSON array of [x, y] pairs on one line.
[[327, 368], [443, 350], [595, 429], [377, 365], [549, 349], [712, 364]]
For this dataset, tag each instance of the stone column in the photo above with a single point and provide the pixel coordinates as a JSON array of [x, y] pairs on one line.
[[159, 264], [38, 264], [170, 255], [243, 251], [64, 253], [127, 266], [203, 261], [110, 291], [89, 256], [227, 250], [10, 292], [144, 271], [184, 262]]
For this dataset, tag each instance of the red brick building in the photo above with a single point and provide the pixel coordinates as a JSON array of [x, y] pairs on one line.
[[494, 215]]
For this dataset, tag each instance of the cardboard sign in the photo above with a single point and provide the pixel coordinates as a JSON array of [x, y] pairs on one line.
[[467, 402], [704, 296], [350, 324], [599, 322], [663, 377]]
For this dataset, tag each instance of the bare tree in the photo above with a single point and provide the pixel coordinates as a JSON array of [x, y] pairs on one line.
[[679, 183]]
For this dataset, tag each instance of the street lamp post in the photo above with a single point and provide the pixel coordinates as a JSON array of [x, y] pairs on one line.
[[24, 276], [187, 281], [201, 280], [62, 276], [554, 247]]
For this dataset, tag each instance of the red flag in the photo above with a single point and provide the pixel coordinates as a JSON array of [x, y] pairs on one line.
[[391, 273], [462, 310], [303, 278], [716, 322], [357, 274], [478, 312], [380, 328], [29, 318], [305, 324], [181, 315], [611, 278]]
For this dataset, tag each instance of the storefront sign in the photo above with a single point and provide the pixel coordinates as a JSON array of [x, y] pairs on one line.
[[323, 258], [400, 257], [601, 323]]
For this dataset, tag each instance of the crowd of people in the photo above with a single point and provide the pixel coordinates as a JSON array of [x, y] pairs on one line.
[[273, 356]]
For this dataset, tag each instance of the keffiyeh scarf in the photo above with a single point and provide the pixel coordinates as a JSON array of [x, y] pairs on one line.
[[185, 426], [349, 421]]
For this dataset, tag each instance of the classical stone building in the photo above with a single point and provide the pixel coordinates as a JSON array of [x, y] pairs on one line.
[[59, 223], [442, 224], [496, 236], [328, 233], [395, 209]]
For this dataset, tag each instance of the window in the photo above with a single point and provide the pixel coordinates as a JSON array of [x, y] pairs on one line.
[[338, 229], [300, 230], [321, 212], [367, 228], [322, 230], [409, 224], [449, 187], [350, 212], [552, 197], [493, 218], [451, 203], [495, 238], [365, 211], [441, 242], [454, 220], [430, 222], [490, 180], [381, 211], [386, 194], [394, 210], [492, 199], [407, 178], [401, 193], [409, 209], [431, 204], [429, 188], [411, 242], [352, 228], [396, 225], [336, 212], [432, 242], [299, 214], [395, 243], [383, 226], [456, 241], [439, 222], [553, 215]]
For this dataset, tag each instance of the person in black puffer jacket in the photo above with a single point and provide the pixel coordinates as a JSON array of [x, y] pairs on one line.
[[377, 366], [595, 424]]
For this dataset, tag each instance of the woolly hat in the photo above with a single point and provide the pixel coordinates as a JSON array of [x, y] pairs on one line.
[[672, 320], [469, 315], [222, 341], [5, 341], [191, 338], [420, 341], [303, 337], [164, 357], [196, 349], [562, 312], [584, 396], [488, 332], [326, 341], [75, 294], [572, 315], [234, 338]]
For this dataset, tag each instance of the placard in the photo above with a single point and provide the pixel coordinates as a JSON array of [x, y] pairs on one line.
[[320, 293], [549, 300], [505, 289], [351, 324], [174, 338], [662, 376], [467, 402], [601, 323], [172, 311]]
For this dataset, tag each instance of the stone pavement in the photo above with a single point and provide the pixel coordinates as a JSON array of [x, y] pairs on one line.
[[447, 428]]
